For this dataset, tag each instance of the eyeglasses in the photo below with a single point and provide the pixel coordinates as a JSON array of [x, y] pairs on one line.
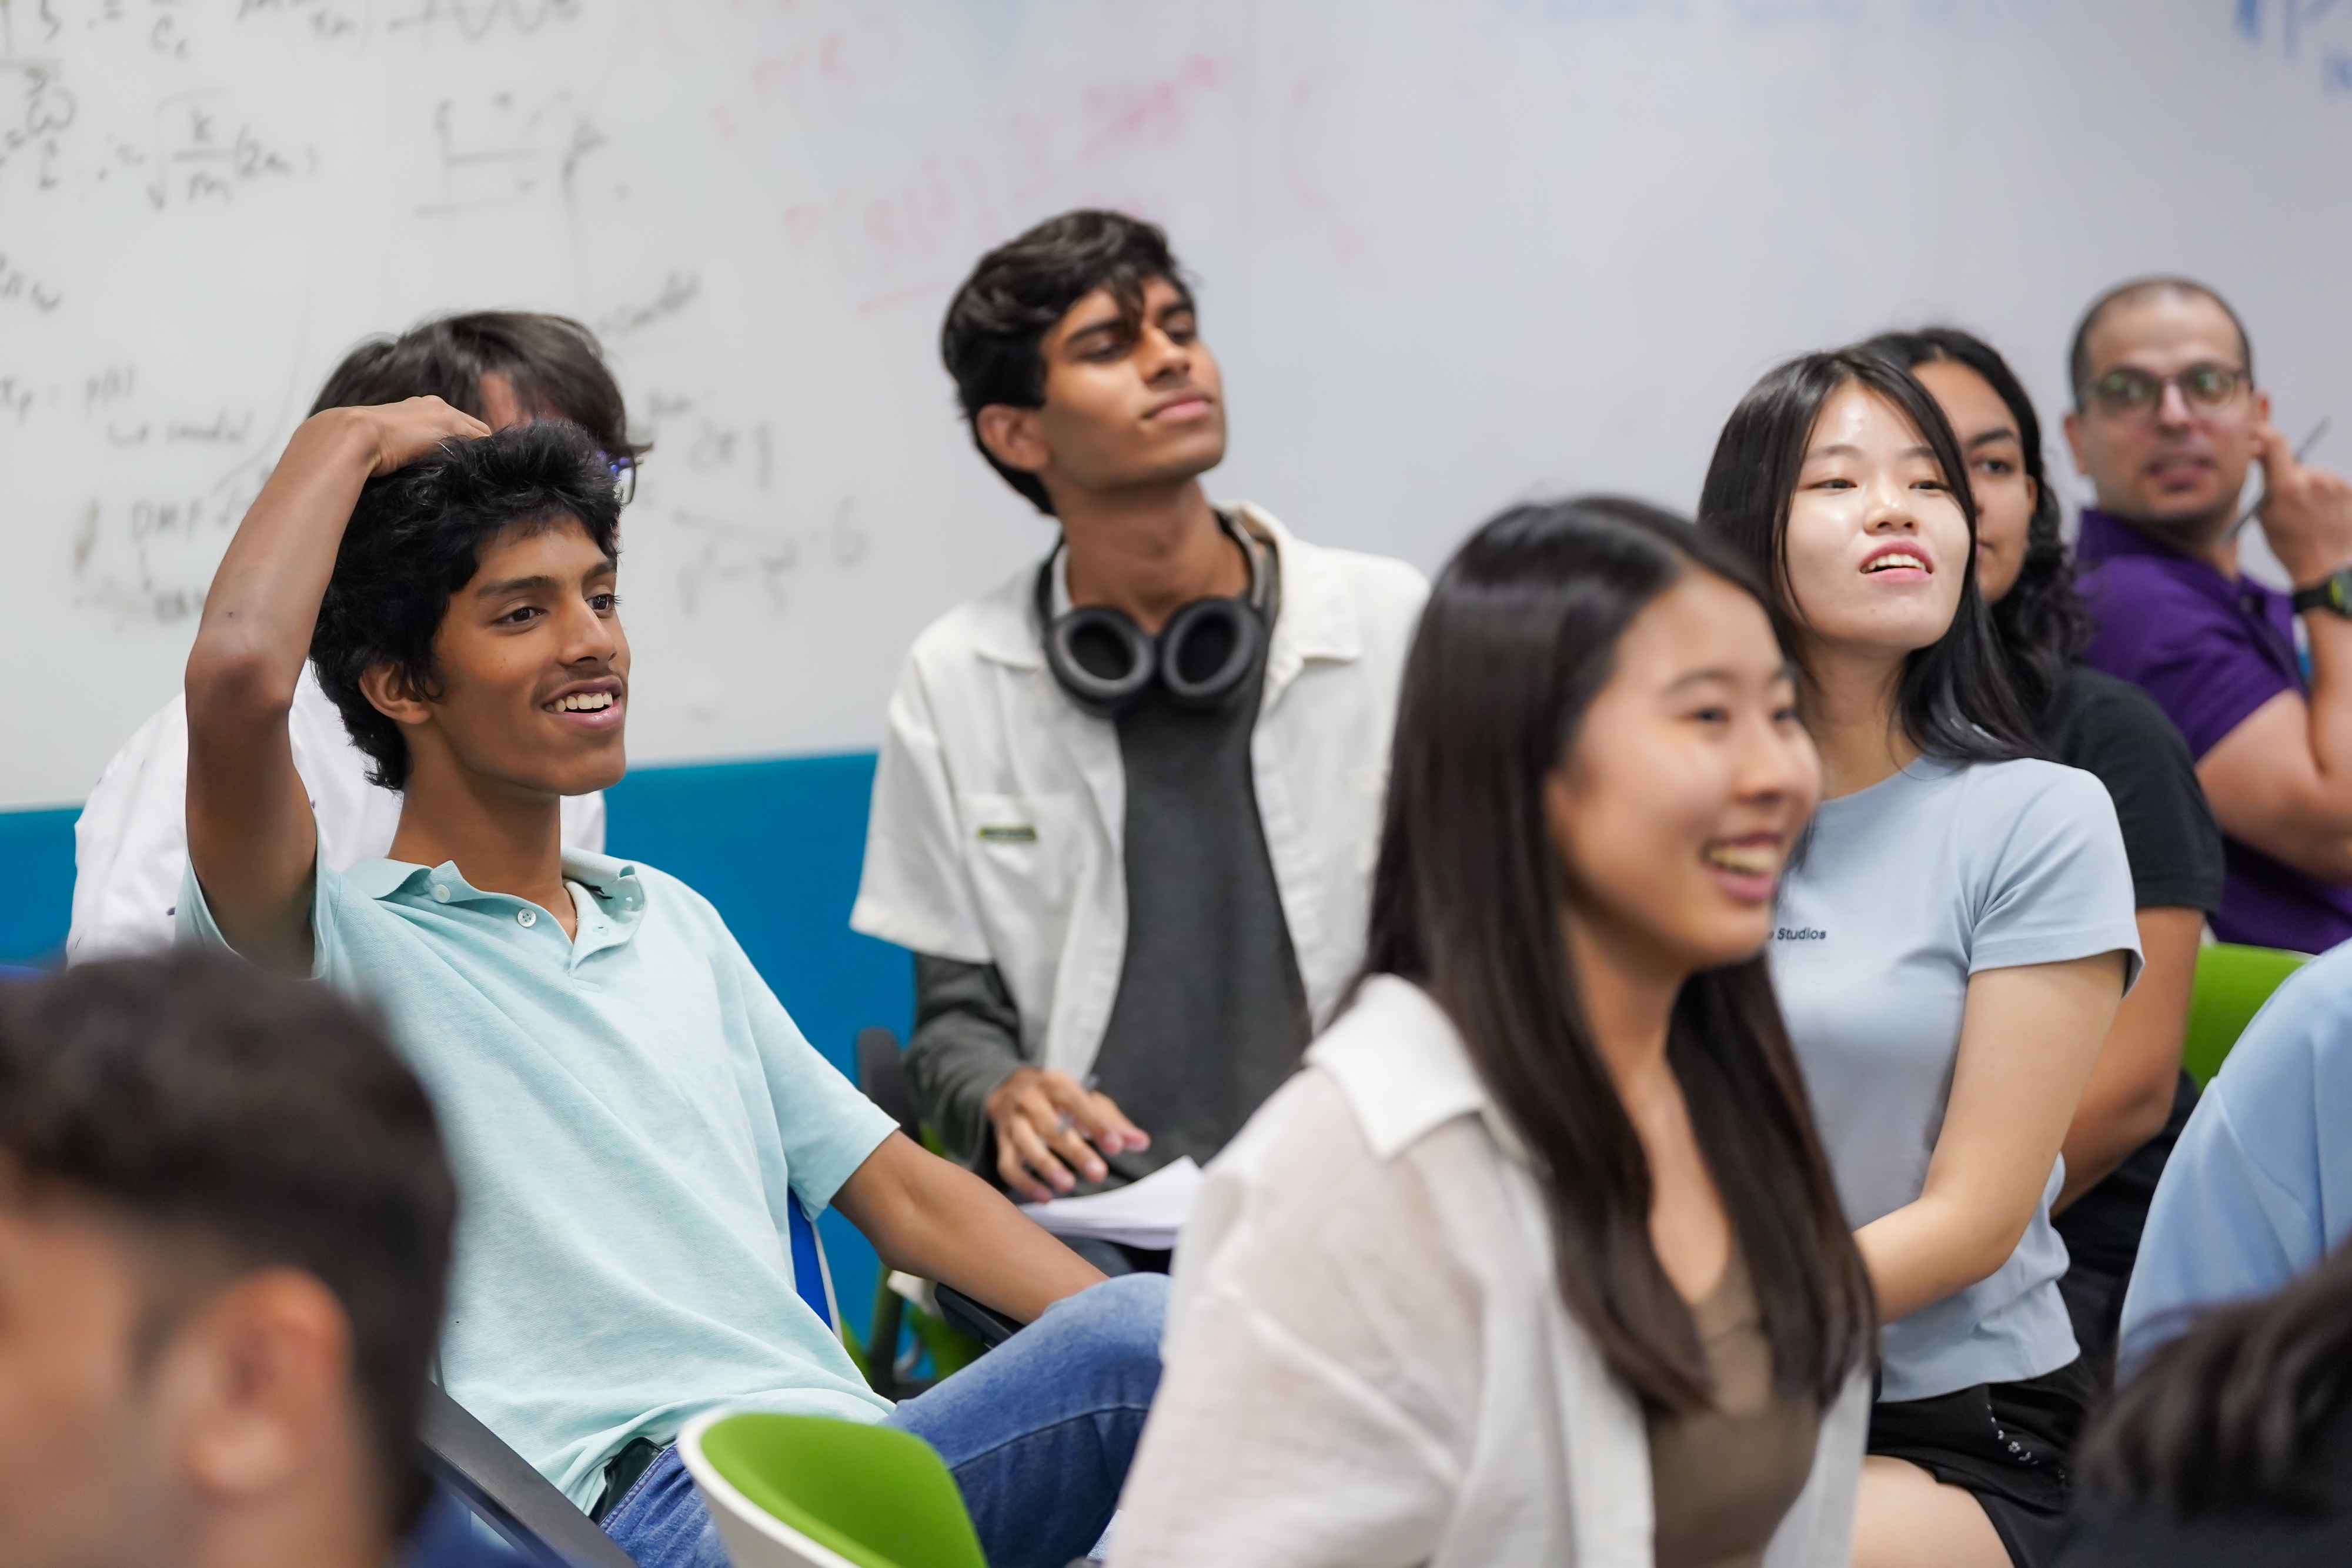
[[2206, 387], [625, 479]]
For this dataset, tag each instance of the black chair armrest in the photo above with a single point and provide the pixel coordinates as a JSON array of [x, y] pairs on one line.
[[513, 1499], [990, 1327]]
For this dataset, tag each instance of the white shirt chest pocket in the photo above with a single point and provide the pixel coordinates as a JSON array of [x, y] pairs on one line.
[[1025, 853]]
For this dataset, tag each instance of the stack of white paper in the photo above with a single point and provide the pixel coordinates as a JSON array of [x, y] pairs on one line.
[[1147, 1214]]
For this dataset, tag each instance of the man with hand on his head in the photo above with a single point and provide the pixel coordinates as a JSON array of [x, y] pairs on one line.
[[630, 1110], [225, 1224], [2168, 423], [1127, 802], [131, 842]]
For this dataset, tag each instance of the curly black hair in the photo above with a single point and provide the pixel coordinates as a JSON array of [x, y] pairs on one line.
[[264, 1121], [415, 538], [2042, 622], [988, 341]]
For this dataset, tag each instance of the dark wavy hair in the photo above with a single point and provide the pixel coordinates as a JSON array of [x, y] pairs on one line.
[[2236, 1413], [997, 319], [261, 1123], [554, 365], [417, 537], [2042, 622], [1957, 702], [1519, 637]]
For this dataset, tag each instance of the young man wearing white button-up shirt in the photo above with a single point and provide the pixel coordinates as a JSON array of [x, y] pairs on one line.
[[630, 1110], [1127, 804]]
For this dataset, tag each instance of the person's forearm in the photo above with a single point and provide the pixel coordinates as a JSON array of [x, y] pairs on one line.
[[249, 838], [2131, 1088], [258, 614], [1929, 1249], [2330, 703], [2111, 1125], [926, 1217], [966, 1042], [969, 1237]]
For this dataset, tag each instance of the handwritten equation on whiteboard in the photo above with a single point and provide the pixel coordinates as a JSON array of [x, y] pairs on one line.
[[191, 145], [2315, 36]]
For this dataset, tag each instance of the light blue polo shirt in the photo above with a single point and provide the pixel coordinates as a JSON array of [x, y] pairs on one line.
[[629, 1114], [2258, 1191]]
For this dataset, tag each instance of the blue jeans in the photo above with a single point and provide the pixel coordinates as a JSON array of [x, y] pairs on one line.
[[1038, 1433]]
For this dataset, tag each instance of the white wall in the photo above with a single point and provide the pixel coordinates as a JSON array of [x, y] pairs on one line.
[[1452, 253]]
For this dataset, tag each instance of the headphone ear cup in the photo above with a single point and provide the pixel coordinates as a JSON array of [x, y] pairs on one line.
[[1206, 649], [1102, 659]]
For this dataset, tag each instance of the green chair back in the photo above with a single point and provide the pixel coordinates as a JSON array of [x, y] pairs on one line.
[[2232, 983], [880, 1498]]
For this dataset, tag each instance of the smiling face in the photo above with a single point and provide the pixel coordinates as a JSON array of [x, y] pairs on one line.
[[2179, 463], [1127, 404], [1675, 808], [532, 667], [1877, 546], [2005, 493]]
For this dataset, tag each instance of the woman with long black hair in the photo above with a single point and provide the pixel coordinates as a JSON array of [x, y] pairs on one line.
[[2138, 1098], [1538, 1260], [1952, 943]]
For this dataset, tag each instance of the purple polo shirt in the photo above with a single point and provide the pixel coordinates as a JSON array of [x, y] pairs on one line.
[[2210, 652]]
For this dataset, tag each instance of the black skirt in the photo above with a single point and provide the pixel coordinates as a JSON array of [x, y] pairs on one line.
[[2009, 1443]]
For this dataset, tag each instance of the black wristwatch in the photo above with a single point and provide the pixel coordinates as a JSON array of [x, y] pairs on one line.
[[2333, 591]]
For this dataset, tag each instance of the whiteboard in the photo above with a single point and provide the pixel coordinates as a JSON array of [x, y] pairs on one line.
[[1452, 253]]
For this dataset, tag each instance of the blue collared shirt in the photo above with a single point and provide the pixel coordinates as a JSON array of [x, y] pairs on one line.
[[630, 1113], [2259, 1188]]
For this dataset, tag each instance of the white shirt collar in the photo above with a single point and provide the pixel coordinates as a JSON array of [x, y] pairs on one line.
[[1403, 1069]]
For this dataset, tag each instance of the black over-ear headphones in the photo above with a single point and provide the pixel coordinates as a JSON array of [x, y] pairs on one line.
[[1105, 661]]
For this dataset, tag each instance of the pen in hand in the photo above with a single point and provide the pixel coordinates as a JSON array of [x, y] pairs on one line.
[[2263, 496]]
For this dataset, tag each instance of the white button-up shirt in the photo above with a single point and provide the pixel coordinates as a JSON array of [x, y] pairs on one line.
[[131, 842], [1000, 805], [1368, 1362]]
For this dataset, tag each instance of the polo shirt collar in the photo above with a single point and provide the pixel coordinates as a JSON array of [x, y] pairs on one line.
[[611, 881], [616, 884], [616, 891], [379, 879], [2106, 537]]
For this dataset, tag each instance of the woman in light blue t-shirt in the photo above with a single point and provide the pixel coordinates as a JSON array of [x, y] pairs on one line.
[[1949, 952]]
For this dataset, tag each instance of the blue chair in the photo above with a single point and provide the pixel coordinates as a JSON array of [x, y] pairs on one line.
[[522, 1506]]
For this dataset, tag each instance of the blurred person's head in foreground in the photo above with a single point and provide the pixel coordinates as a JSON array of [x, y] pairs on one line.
[[225, 1232]]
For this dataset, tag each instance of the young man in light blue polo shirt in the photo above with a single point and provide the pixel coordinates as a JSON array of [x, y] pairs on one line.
[[628, 1107]]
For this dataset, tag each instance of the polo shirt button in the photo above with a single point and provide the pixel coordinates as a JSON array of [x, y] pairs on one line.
[[440, 893], [526, 916]]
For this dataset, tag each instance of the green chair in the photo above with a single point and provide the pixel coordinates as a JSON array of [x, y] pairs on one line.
[[2232, 983], [808, 1492]]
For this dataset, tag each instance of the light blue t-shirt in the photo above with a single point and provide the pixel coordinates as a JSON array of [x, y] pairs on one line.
[[2259, 1189], [629, 1114], [1902, 892]]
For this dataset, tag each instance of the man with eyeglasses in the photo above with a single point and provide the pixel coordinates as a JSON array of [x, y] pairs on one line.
[[2168, 421], [130, 844]]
